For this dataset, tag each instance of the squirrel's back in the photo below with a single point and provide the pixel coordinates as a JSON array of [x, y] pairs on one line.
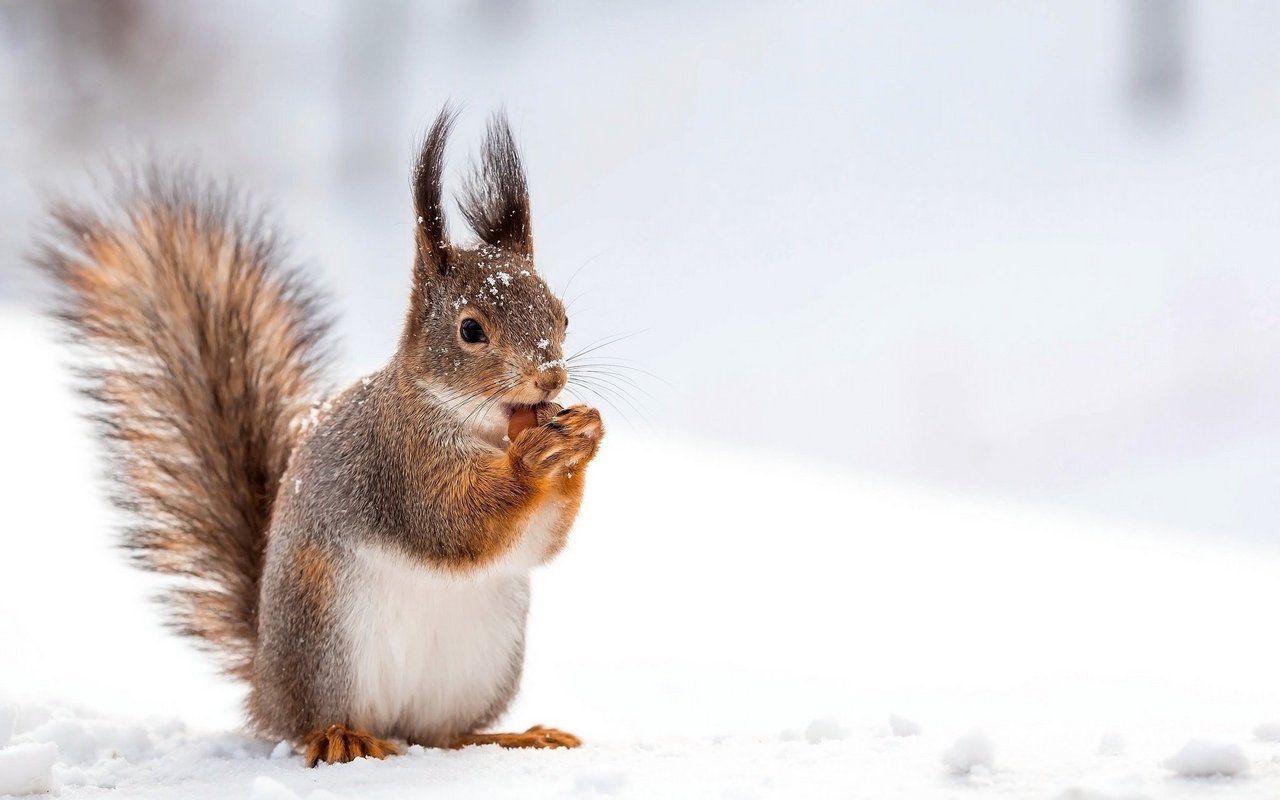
[[203, 347]]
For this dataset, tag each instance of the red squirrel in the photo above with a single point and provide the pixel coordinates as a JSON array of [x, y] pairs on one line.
[[362, 563]]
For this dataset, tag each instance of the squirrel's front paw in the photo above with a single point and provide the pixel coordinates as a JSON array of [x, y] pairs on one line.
[[581, 421], [568, 439]]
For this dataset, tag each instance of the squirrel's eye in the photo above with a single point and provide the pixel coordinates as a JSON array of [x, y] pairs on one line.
[[471, 332], [566, 322]]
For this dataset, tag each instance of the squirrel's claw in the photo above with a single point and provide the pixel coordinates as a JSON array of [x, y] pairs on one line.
[[568, 439], [578, 420], [537, 737], [338, 744]]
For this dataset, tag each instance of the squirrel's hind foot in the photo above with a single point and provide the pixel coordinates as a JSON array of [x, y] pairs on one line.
[[338, 744], [537, 737]]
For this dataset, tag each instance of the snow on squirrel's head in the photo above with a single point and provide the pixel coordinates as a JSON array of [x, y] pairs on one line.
[[484, 332]]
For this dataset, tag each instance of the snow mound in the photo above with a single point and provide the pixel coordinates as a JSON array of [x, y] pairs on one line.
[[1111, 744], [1091, 793], [972, 753], [901, 726], [824, 729], [85, 741], [265, 788], [1266, 732], [27, 768], [282, 750], [600, 781], [1199, 758], [8, 723]]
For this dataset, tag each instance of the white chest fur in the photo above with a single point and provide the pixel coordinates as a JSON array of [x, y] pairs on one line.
[[431, 654]]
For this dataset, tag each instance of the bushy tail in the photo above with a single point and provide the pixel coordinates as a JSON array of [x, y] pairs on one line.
[[203, 347]]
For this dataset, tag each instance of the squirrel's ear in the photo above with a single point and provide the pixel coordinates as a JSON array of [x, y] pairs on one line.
[[495, 201], [430, 233]]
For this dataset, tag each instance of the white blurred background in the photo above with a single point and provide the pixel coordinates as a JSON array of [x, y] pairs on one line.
[[1022, 250]]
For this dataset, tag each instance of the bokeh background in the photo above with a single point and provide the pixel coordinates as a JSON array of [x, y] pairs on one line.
[[1023, 250], [946, 341]]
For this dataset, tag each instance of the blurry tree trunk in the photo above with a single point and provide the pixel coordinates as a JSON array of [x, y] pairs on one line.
[[1157, 58], [370, 107], [96, 65], [80, 71]]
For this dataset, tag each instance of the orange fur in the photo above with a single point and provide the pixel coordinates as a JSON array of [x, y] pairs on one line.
[[536, 737], [339, 744], [559, 450], [315, 572]]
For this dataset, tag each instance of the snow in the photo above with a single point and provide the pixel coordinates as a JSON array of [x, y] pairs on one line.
[[8, 721], [27, 768], [974, 752], [600, 781], [80, 740], [824, 729], [1111, 744], [1199, 759], [264, 788], [715, 611], [901, 726], [1094, 793], [1267, 732]]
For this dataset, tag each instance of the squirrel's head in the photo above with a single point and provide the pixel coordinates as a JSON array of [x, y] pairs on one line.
[[484, 334]]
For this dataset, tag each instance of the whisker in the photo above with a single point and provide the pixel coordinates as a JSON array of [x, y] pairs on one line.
[[615, 365], [594, 346], [606, 399], [493, 398], [607, 391], [622, 391], [581, 267], [456, 398], [469, 392], [612, 358], [598, 372]]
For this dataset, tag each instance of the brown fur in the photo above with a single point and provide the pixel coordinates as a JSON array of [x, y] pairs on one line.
[[212, 350], [185, 297]]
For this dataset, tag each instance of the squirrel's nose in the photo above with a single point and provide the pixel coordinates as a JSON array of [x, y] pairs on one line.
[[551, 380]]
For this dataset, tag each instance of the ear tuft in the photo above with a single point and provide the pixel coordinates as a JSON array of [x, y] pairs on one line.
[[495, 200], [431, 234]]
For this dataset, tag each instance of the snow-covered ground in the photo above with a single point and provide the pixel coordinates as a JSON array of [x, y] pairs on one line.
[[722, 625]]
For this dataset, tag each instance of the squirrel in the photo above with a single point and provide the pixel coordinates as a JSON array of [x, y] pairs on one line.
[[362, 563]]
